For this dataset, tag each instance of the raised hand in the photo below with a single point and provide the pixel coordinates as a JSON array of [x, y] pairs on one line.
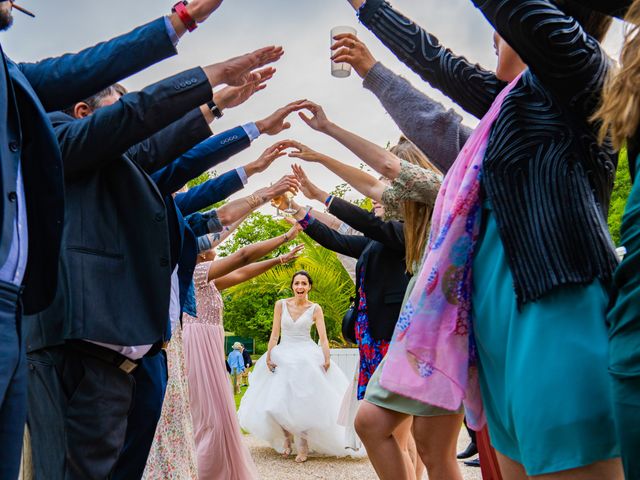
[[356, 4], [292, 255], [303, 152], [265, 160], [307, 187], [275, 123], [238, 71], [319, 120], [288, 183], [229, 97], [201, 9], [349, 49]]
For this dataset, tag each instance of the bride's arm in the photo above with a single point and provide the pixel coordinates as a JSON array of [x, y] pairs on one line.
[[275, 333], [318, 318]]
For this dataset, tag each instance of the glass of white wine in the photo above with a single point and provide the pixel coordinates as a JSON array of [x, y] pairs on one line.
[[288, 197]]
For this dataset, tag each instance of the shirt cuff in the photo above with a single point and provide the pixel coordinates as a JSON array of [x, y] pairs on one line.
[[304, 223], [251, 130], [243, 175], [171, 31]]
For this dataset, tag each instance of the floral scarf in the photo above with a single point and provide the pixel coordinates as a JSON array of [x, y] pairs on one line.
[[432, 357]]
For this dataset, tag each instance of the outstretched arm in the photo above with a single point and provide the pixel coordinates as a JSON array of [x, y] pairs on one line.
[[275, 333], [243, 274], [467, 84], [554, 46], [439, 133], [249, 254], [366, 184], [318, 318]]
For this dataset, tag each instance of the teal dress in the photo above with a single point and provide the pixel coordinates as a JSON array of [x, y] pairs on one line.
[[543, 369], [624, 331]]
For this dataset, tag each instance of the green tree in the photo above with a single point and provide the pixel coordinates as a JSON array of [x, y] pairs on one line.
[[255, 228], [249, 306], [621, 190]]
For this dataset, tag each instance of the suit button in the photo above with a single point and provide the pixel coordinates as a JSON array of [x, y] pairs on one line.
[[14, 147], [164, 262], [183, 84], [13, 196], [194, 80], [159, 217]]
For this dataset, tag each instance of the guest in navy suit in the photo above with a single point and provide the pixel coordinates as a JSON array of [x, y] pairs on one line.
[[116, 265], [31, 199]]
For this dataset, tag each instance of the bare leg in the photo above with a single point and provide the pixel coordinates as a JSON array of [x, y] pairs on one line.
[[375, 426], [303, 450], [510, 469], [609, 469], [436, 440], [288, 441], [404, 438], [415, 458]]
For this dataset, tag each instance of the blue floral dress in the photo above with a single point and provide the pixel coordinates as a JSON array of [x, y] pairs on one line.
[[371, 351]]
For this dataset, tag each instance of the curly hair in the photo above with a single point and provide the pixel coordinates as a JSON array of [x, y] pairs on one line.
[[619, 111]]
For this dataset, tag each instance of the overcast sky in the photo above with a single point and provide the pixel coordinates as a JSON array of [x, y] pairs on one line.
[[300, 26]]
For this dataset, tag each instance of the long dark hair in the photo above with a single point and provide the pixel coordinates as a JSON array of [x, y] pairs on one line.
[[304, 273]]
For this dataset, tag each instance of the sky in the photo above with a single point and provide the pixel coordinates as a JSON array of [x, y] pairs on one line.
[[301, 26]]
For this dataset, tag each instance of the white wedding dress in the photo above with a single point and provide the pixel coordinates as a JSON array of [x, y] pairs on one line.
[[299, 396]]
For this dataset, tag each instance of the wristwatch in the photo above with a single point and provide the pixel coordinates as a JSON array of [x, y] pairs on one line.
[[214, 109]]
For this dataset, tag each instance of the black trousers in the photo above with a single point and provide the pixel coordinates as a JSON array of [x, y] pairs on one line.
[[77, 414], [13, 383]]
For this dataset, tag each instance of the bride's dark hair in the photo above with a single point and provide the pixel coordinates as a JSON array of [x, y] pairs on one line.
[[304, 273]]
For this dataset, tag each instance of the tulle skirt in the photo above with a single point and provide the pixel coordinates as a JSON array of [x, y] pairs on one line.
[[221, 453], [299, 397]]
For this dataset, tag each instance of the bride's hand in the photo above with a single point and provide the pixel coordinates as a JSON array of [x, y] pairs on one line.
[[326, 365], [272, 366]]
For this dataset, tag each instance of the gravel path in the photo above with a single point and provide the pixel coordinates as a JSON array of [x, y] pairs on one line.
[[273, 467]]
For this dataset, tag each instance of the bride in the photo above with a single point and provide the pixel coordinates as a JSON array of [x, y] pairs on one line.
[[295, 391]]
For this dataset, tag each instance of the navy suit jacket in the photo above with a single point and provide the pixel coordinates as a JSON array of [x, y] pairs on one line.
[[116, 245], [172, 177], [27, 92]]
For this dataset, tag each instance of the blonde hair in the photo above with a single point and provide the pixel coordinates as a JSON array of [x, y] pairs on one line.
[[417, 215], [619, 111]]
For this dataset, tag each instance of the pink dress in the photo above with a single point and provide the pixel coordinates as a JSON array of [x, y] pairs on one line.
[[221, 453]]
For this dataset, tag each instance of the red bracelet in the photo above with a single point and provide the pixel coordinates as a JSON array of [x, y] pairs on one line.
[[181, 9]]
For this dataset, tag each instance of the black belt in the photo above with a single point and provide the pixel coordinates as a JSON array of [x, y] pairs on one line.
[[105, 354]]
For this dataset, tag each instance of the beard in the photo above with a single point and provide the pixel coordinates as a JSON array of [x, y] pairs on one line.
[[6, 18]]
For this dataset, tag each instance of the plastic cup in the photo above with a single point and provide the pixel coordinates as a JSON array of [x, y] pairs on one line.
[[340, 70]]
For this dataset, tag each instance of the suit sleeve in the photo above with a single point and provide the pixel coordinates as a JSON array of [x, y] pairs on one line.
[[209, 192], [391, 233], [207, 154], [60, 82], [468, 85], [554, 46], [91, 142], [350, 245], [169, 143]]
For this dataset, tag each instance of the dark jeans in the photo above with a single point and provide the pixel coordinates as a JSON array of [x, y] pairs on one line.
[[78, 407], [151, 385], [13, 382]]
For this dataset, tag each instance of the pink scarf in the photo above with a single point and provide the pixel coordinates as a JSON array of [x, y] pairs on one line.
[[432, 357]]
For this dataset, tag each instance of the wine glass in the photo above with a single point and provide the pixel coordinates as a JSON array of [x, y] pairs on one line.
[[288, 197]]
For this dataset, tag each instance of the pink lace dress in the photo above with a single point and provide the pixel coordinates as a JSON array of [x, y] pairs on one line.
[[220, 450]]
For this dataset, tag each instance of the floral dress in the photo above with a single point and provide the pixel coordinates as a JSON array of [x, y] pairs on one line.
[[371, 351]]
